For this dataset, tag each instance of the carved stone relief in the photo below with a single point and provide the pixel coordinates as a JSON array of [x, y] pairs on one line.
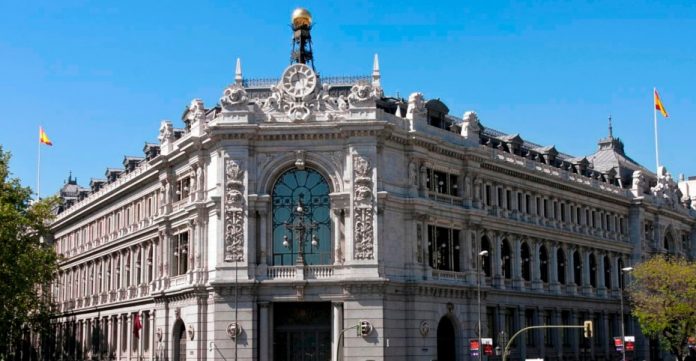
[[234, 98], [234, 211], [364, 209]]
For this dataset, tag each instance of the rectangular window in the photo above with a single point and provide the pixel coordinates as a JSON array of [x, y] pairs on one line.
[[488, 195], [492, 330], [563, 213], [180, 254], [519, 201], [443, 246], [527, 199], [565, 319], [529, 321], [508, 200], [499, 193], [182, 189], [548, 332]]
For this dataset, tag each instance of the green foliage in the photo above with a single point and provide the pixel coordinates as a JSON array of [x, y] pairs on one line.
[[27, 266], [663, 294]]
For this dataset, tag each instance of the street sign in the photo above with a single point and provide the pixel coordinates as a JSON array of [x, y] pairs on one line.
[[487, 344], [474, 347], [629, 341]]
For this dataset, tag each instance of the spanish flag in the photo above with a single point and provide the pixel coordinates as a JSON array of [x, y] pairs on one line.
[[43, 138], [659, 106]]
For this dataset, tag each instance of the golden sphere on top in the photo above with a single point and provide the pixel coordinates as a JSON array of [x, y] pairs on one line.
[[301, 17]]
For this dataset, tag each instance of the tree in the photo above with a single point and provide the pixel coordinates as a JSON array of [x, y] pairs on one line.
[[663, 295], [27, 264]]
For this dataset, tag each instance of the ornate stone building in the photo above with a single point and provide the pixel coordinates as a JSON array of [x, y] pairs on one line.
[[299, 207]]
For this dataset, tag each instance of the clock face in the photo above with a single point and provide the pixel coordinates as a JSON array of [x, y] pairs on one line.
[[299, 80]]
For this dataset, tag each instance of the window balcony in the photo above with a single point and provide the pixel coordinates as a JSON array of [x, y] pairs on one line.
[[306, 272]]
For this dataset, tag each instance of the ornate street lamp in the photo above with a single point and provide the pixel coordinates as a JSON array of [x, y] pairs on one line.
[[300, 227], [481, 254]]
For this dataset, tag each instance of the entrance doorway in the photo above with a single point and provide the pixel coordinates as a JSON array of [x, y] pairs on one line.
[[445, 340], [302, 331], [179, 340]]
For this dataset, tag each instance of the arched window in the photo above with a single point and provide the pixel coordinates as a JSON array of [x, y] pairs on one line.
[[486, 260], [506, 258], [577, 272], [525, 256], [668, 242], [561, 266], [593, 270], [544, 264], [308, 191], [607, 272]]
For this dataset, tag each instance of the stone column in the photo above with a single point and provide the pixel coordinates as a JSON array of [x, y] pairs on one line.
[[557, 334], [496, 258], [555, 286], [264, 332], [119, 325], [535, 247], [337, 327], [586, 287], [601, 286], [606, 345], [570, 270], [152, 335], [109, 335], [263, 234], [575, 334], [516, 256], [129, 334], [522, 338]]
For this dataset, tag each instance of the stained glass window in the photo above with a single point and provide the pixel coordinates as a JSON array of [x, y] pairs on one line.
[[312, 190]]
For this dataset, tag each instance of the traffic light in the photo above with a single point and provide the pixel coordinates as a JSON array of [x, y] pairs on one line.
[[364, 328], [587, 328]]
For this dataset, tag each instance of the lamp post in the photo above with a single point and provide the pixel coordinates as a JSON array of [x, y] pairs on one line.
[[301, 227], [478, 275], [623, 332]]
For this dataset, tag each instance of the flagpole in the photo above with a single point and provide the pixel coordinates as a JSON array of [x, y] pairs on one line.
[[657, 153], [38, 168]]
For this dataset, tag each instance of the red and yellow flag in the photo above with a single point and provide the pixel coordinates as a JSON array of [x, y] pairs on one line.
[[43, 138], [659, 106]]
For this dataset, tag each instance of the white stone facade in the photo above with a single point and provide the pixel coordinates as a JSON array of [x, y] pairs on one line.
[[185, 241]]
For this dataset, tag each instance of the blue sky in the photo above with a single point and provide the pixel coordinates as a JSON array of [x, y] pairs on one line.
[[100, 76]]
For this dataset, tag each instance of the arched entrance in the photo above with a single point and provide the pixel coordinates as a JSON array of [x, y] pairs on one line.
[[446, 350], [179, 340]]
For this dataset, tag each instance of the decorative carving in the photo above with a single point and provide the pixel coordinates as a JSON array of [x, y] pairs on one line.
[[470, 125], [361, 96], [416, 105], [364, 209], [166, 132], [196, 111], [234, 212], [300, 159], [666, 188], [424, 328], [234, 330], [234, 98], [413, 173], [419, 243], [159, 334], [638, 183], [191, 332], [200, 181]]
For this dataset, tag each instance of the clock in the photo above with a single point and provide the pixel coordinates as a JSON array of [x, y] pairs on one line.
[[298, 80]]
